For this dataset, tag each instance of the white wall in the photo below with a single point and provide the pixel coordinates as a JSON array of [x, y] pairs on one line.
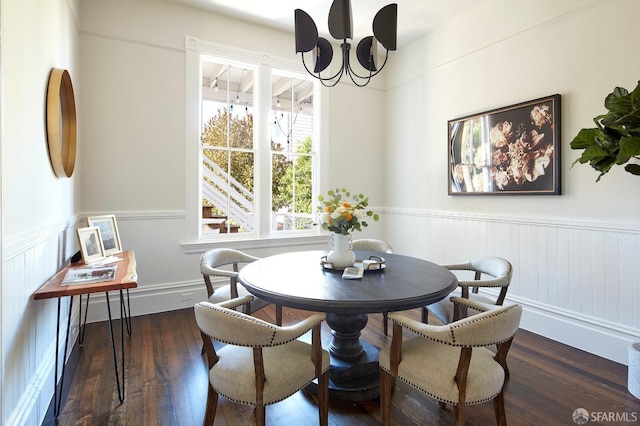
[[38, 209], [134, 111], [574, 254]]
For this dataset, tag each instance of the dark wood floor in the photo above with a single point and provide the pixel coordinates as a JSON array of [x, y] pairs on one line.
[[166, 383]]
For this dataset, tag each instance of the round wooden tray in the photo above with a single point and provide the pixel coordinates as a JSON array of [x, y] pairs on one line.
[[373, 263]]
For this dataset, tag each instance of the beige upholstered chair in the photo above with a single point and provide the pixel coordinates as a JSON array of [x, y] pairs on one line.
[[493, 272], [370, 244], [451, 362], [214, 263], [261, 363]]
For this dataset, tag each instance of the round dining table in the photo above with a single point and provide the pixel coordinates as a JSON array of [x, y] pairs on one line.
[[302, 280]]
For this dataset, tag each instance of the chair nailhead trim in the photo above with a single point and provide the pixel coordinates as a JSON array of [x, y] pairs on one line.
[[446, 401], [452, 330], [274, 328]]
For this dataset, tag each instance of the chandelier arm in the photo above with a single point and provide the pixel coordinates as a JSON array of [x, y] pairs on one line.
[[371, 74], [338, 74], [351, 74], [330, 80]]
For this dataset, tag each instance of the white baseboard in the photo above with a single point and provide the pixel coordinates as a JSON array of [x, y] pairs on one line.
[[149, 299], [592, 335]]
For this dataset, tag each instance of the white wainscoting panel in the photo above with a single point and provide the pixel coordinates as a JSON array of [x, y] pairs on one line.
[[29, 326], [579, 282]]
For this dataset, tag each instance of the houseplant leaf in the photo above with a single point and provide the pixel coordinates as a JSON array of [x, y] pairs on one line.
[[629, 147], [634, 169], [616, 138]]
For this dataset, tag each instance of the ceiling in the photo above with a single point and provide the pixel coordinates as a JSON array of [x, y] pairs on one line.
[[415, 17]]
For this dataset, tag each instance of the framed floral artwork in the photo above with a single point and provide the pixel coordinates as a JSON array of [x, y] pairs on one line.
[[510, 150]]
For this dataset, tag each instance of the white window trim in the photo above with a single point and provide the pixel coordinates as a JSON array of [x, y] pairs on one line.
[[194, 48]]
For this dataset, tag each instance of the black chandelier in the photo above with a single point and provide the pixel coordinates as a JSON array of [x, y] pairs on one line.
[[385, 25]]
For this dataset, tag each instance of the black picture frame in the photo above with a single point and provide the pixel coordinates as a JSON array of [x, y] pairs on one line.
[[514, 150]]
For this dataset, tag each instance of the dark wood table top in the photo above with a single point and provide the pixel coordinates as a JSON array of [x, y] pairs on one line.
[[126, 277], [298, 280]]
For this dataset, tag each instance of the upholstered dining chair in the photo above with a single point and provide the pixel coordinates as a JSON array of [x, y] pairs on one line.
[[371, 244], [490, 272], [451, 362], [215, 263], [260, 363]]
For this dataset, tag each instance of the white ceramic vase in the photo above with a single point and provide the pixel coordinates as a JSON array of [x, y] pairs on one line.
[[341, 254]]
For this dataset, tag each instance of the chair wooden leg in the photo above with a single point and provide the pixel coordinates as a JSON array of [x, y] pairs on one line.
[[498, 408], [458, 413], [385, 397], [323, 398], [212, 405], [260, 415], [278, 315], [424, 315], [501, 356], [385, 324]]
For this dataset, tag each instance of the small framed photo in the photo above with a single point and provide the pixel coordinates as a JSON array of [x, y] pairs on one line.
[[108, 231], [90, 244], [511, 150]]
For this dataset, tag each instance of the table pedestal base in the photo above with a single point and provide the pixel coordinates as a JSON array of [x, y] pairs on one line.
[[354, 373], [346, 330], [357, 380]]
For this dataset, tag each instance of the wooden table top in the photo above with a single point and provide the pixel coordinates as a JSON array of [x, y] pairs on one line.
[[298, 280], [125, 278]]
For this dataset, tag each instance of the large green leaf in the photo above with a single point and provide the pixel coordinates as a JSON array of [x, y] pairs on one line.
[[585, 138], [618, 101], [594, 152], [634, 169], [635, 97], [629, 147]]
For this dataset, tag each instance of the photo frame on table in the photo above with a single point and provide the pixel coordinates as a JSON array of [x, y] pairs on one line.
[[90, 244], [511, 150], [108, 231]]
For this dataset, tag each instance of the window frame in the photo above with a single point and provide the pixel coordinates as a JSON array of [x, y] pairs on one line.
[[194, 50]]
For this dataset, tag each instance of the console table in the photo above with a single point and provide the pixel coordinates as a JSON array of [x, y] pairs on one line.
[[125, 278]]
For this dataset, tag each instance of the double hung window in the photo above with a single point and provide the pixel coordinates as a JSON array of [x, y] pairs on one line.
[[257, 150]]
